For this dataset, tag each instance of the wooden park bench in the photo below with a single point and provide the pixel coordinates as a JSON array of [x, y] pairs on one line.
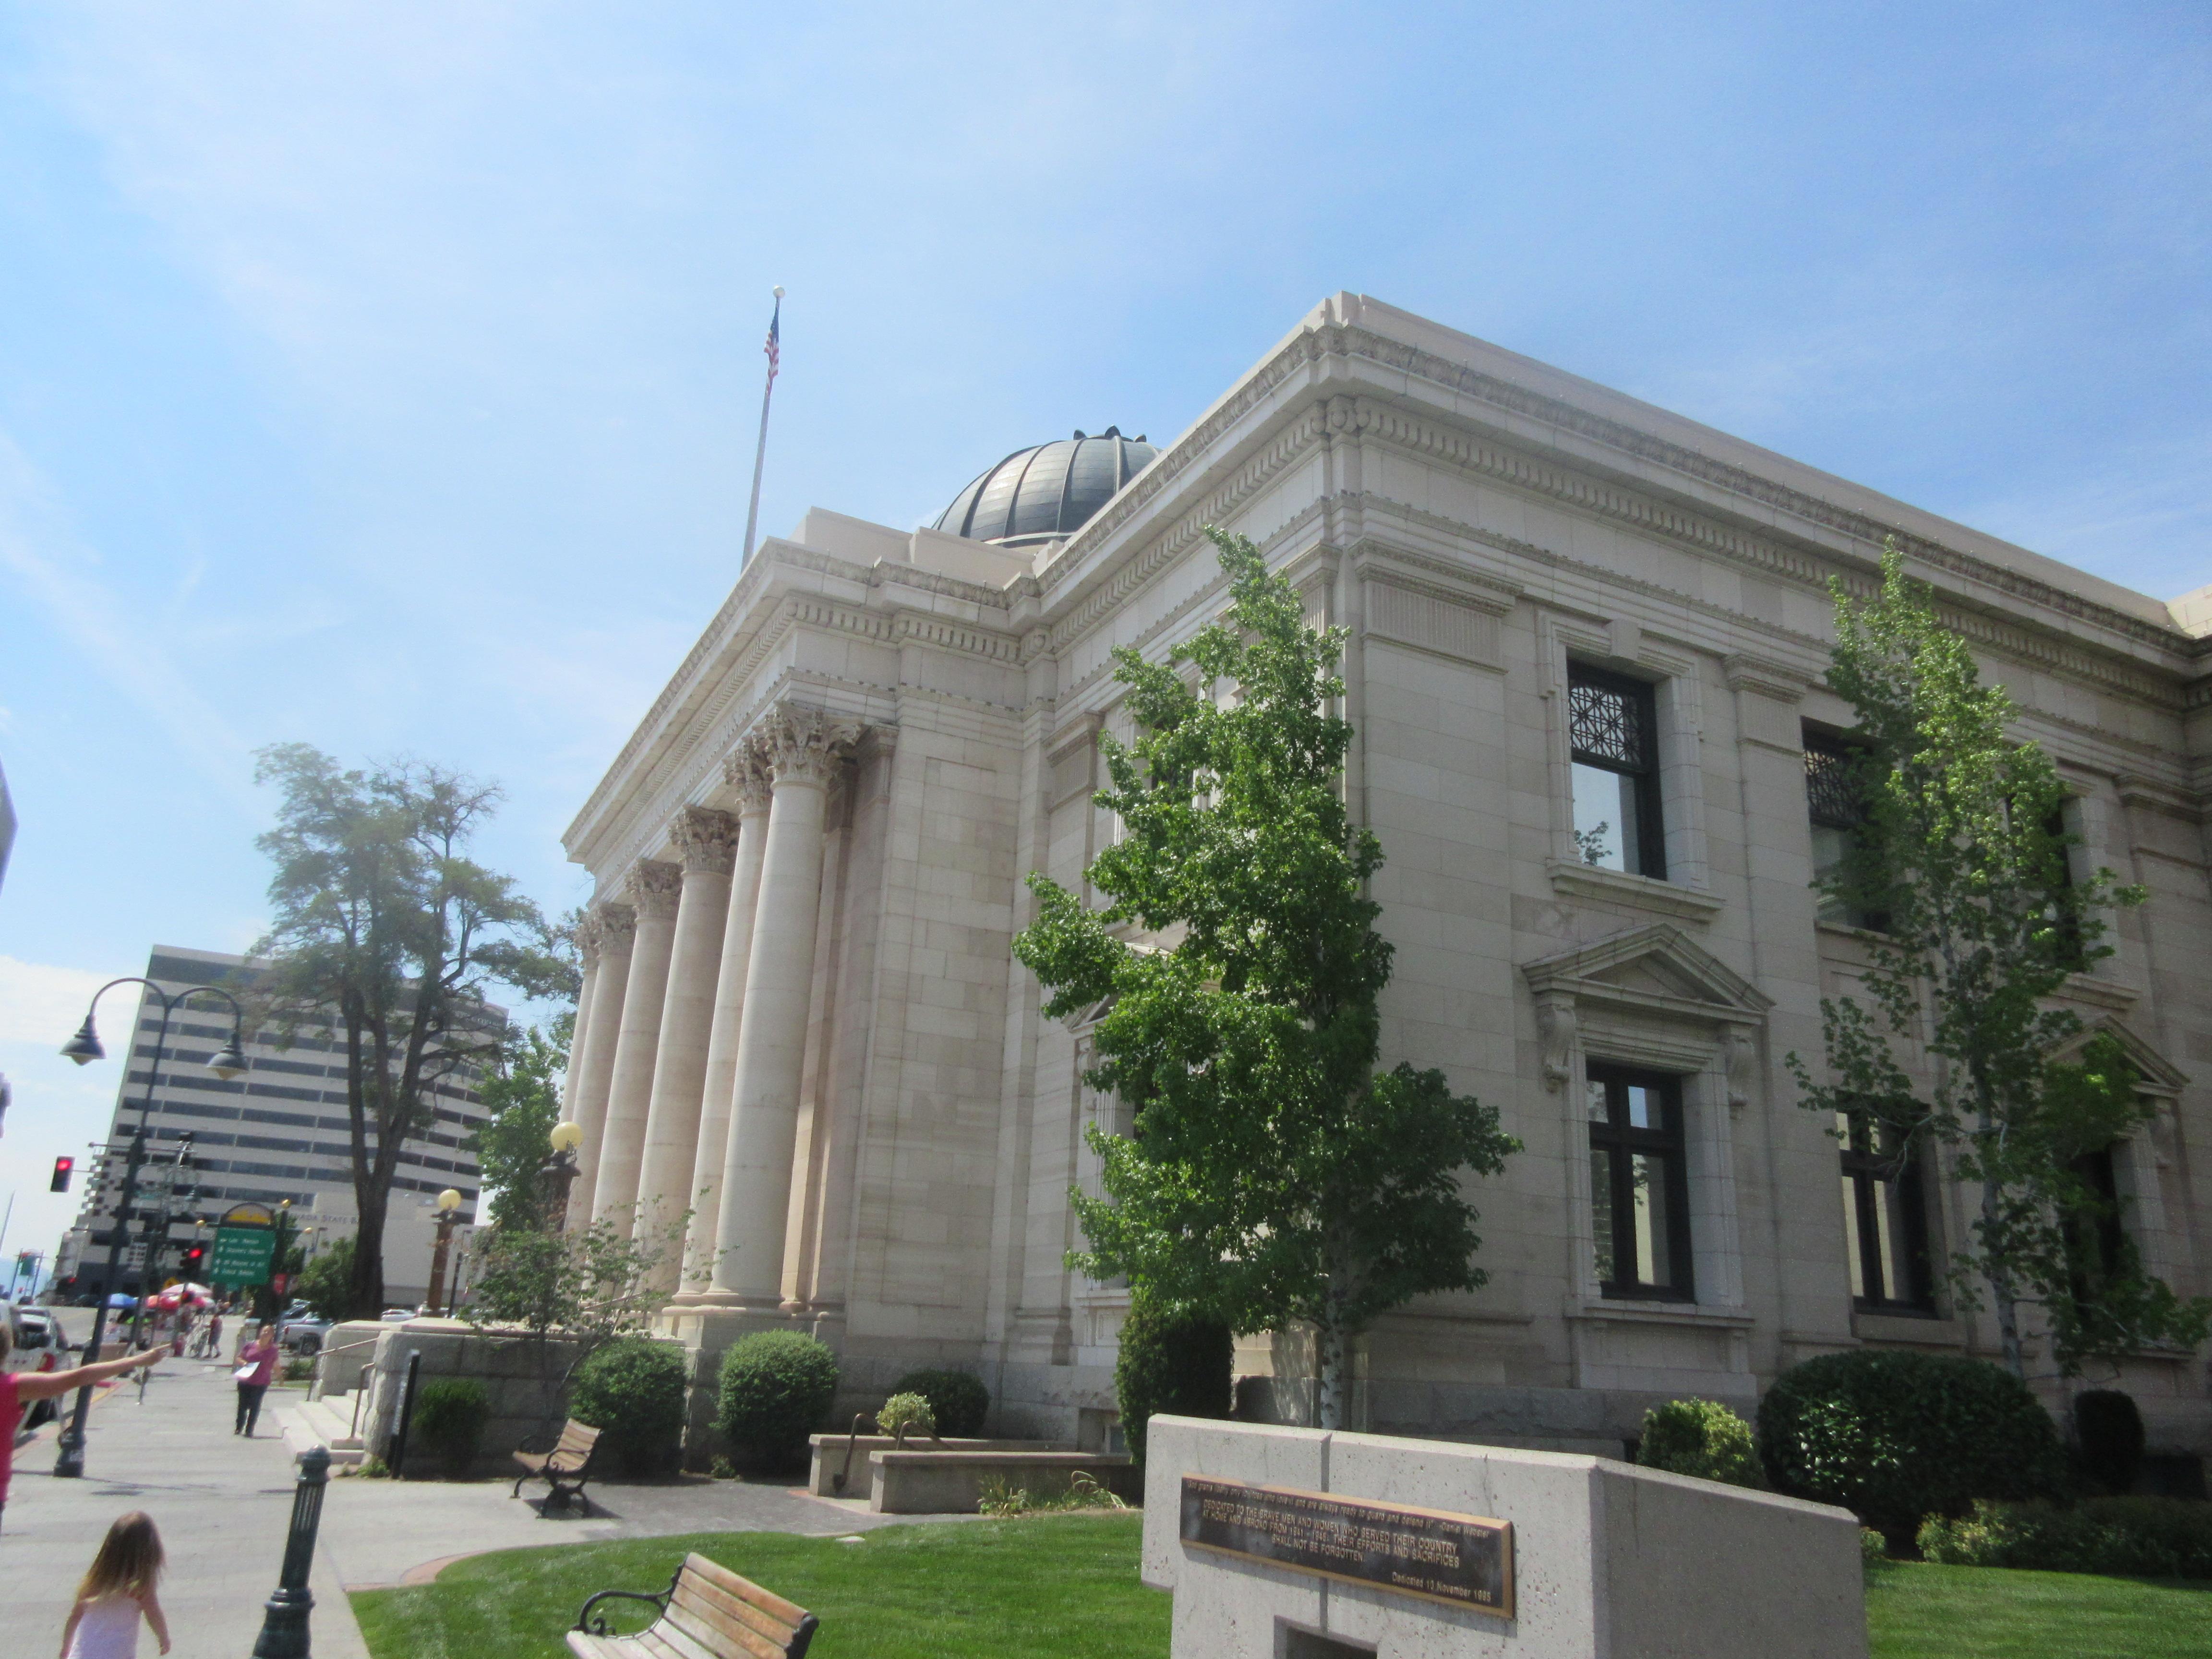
[[707, 1612], [564, 1468]]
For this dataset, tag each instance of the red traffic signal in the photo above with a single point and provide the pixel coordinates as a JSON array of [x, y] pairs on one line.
[[193, 1258], [63, 1166]]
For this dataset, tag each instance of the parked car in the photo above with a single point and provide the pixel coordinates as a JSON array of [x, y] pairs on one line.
[[302, 1335], [394, 1315], [36, 1327]]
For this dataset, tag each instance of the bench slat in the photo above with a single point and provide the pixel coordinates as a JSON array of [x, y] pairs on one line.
[[695, 1592], [725, 1640], [666, 1640], [767, 1601], [584, 1645], [730, 1625]]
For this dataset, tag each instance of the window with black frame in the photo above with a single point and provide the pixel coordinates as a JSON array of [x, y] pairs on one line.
[[2096, 1239], [1838, 817], [1613, 740], [1885, 1218], [1639, 1184]]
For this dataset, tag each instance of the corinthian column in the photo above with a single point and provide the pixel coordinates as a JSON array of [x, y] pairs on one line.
[[802, 747], [654, 887], [585, 933], [615, 927], [747, 772], [709, 843]]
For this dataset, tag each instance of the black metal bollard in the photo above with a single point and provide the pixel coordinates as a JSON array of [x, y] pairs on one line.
[[397, 1445], [284, 1622]]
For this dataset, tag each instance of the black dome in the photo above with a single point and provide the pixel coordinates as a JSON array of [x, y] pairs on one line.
[[1041, 494]]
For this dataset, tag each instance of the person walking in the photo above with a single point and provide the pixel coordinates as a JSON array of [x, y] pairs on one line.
[[16, 1387], [210, 1344], [257, 1370], [118, 1591]]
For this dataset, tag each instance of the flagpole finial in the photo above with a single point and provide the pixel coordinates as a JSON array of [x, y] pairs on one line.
[[778, 290]]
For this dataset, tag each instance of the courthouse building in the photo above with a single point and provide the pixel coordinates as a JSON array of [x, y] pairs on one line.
[[1585, 666]]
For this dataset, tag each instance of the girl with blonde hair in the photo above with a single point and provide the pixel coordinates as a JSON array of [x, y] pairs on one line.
[[118, 1591]]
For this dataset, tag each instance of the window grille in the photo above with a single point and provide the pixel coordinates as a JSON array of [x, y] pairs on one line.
[[1611, 724], [1830, 794]]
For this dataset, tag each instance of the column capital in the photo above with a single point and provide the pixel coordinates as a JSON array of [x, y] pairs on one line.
[[804, 744], [746, 772], [616, 924], [654, 887], [585, 934], [707, 839]]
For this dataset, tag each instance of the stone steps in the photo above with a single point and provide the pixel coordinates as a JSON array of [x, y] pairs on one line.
[[327, 1422]]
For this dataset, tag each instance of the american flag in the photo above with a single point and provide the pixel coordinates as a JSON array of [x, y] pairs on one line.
[[773, 348]]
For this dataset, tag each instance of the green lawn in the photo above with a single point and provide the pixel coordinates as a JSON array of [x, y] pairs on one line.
[[1991, 1612], [1066, 1585], [1057, 1585]]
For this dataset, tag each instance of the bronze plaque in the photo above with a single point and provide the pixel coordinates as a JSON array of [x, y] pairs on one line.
[[1464, 1559]]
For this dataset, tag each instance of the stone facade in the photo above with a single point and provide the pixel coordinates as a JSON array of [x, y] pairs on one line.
[[881, 1128]]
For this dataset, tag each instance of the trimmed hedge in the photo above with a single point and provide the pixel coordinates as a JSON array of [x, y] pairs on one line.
[[2132, 1537], [1174, 1362], [959, 1399], [1896, 1437], [776, 1387], [632, 1389], [1701, 1437], [2109, 1430], [450, 1414]]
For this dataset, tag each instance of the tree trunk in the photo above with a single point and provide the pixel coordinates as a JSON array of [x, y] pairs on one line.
[[366, 1286], [1999, 1275], [1333, 1355]]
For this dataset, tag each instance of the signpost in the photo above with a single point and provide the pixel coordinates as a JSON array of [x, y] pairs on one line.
[[245, 1248]]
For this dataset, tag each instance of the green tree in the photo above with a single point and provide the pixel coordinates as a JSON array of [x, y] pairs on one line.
[[1274, 1175], [1963, 857], [388, 936], [326, 1284], [583, 1288], [522, 1094]]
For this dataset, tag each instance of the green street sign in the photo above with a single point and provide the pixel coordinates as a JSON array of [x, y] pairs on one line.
[[242, 1256]]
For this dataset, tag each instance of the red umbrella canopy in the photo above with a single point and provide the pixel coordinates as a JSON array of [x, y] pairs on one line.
[[178, 1296]]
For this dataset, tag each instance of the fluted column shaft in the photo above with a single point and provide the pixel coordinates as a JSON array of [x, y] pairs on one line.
[[803, 749], [748, 772], [586, 935], [654, 887], [593, 1059], [709, 841]]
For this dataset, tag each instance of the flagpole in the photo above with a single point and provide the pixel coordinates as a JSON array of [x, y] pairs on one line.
[[760, 450]]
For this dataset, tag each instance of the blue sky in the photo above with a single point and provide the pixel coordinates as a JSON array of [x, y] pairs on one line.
[[384, 376]]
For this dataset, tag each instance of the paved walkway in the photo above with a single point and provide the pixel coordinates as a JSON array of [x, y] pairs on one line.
[[223, 1505]]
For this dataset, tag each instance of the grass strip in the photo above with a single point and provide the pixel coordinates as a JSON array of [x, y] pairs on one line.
[[1065, 1585], [1916, 1610]]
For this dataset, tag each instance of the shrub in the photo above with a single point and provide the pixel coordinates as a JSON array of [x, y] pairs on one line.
[[959, 1399], [633, 1390], [2145, 1537], [1898, 1437], [907, 1413], [776, 1387], [450, 1414], [2110, 1432], [1701, 1437], [1178, 1362]]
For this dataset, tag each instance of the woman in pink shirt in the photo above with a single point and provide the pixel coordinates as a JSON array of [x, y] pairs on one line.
[[16, 1387], [257, 1370]]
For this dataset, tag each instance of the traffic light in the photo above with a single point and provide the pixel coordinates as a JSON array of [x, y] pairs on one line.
[[62, 1168], [194, 1258]]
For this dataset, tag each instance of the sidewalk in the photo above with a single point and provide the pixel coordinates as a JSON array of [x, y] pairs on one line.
[[223, 1505]]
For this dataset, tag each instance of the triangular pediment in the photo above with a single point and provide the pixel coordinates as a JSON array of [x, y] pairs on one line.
[[1657, 964], [2158, 1074]]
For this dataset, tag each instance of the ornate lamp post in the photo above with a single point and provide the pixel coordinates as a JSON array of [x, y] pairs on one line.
[[560, 1172], [449, 1204], [228, 1062]]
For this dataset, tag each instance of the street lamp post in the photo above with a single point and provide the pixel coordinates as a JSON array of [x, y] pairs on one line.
[[560, 1172], [228, 1062], [449, 1204]]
